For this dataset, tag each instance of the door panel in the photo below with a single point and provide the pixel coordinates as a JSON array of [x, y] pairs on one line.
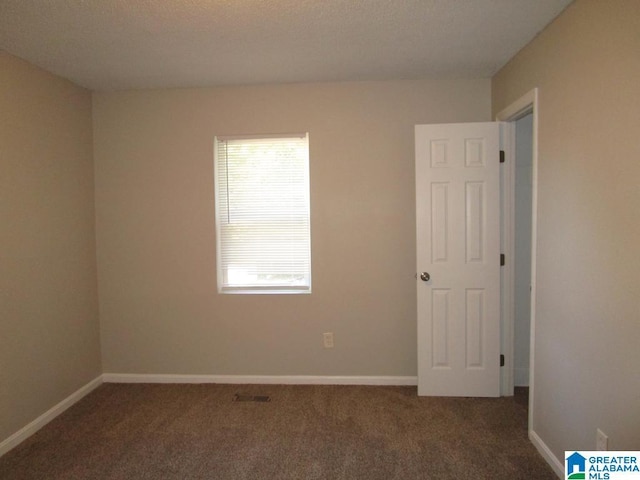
[[458, 244]]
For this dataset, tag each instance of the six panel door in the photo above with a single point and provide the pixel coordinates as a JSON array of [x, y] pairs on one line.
[[458, 245]]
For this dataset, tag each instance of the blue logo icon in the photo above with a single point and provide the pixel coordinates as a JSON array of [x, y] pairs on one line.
[[575, 467]]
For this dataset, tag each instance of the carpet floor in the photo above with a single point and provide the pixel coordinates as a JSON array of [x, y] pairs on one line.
[[153, 431]]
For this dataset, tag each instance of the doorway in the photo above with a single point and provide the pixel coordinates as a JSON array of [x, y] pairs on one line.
[[522, 250], [437, 321], [519, 226]]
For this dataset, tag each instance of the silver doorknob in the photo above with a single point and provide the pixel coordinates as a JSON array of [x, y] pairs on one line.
[[425, 277]]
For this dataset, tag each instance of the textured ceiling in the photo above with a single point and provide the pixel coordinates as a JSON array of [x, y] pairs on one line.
[[130, 44]]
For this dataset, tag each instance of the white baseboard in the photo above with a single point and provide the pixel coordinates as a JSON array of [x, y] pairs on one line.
[[547, 454], [25, 432], [258, 379]]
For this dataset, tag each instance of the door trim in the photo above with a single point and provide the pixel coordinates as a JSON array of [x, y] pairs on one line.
[[526, 104]]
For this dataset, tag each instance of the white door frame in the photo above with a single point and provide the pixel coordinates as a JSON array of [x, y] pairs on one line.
[[526, 104]]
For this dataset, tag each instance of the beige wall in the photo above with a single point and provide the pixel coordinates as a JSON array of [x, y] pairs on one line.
[[159, 309], [49, 334], [587, 371]]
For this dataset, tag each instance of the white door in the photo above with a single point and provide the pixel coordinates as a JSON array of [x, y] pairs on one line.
[[458, 249]]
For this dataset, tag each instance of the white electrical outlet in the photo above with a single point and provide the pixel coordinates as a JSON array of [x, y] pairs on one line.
[[327, 339], [602, 441]]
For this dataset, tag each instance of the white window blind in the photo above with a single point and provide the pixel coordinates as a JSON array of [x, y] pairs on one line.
[[262, 214]]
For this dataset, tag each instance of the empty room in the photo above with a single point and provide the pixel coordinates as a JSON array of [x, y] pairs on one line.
[[317, 239]]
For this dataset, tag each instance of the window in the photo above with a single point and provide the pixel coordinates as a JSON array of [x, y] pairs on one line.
[[262, 214]]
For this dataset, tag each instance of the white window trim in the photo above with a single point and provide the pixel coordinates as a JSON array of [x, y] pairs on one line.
[[257, 289]]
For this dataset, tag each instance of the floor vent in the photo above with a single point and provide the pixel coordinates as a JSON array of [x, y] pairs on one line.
[[251, 398]]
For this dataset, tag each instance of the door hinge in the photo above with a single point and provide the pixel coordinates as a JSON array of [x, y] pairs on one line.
[[501, 156], [501, 360], [502, 260]]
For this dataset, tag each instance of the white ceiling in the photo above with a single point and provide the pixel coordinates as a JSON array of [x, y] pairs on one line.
[[131, 44]]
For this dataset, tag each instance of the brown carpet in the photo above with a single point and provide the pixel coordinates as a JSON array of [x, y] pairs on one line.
[[304, 432]]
